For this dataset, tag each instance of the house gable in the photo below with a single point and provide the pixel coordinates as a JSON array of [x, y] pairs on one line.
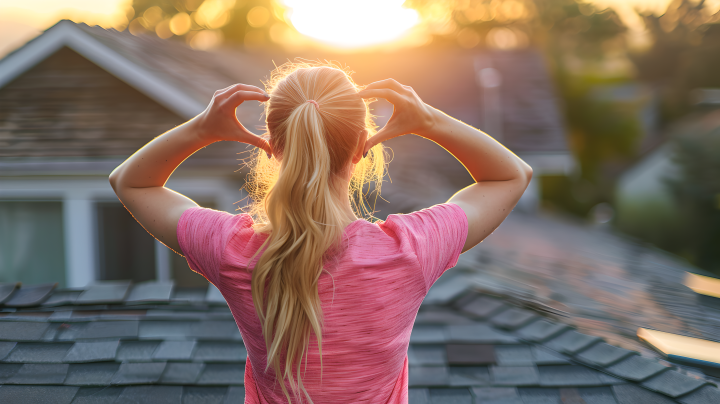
[[67, 106]]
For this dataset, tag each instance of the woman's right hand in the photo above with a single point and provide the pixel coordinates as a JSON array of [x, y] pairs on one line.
[[410, 113]]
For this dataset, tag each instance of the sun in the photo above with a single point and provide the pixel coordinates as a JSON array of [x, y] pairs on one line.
[[351, 23]]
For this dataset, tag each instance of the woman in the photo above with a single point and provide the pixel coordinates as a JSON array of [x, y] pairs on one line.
[[322, 298]]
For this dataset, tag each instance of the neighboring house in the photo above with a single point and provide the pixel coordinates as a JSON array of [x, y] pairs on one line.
[[77, 100], [643, 201], [74, 103]]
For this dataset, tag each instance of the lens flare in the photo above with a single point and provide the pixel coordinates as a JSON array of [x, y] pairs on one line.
[[351, 23]]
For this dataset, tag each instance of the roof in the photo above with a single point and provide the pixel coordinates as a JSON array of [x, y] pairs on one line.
[[151, 343], [183, 79]]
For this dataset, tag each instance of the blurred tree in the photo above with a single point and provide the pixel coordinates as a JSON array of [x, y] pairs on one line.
[[697, 191], [580, 41], [684, 55], [204, 24]]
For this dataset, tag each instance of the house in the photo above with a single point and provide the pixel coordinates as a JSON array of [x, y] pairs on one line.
[[644, 201], [77, 100]]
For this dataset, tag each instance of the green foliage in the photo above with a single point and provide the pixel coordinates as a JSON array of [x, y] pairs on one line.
[[684, 55], [248, 22], [697, 191]]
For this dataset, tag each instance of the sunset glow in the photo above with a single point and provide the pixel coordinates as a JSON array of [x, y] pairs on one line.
[[351, 23]]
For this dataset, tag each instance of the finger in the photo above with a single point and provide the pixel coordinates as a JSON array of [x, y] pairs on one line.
[[387, 83], [229, 91], [385, 93], [384, 134], [261, 143], [239, 97]]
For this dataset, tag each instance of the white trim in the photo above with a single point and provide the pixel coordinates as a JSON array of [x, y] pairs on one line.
[[79, 228], [162, 262], [65, 33]]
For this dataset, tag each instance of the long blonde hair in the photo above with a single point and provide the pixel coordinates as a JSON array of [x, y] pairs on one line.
[[299, 202]]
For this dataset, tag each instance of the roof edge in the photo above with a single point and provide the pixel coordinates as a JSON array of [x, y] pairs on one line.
[[67, 33]]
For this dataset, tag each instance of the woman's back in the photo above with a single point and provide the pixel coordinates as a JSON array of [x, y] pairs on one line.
[[370, 296], [310, 282]]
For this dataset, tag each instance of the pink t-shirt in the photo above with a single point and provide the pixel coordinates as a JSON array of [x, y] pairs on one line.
[[369, 295]]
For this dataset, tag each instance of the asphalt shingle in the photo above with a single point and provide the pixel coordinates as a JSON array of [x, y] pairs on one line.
[[428, 376], [182, 373], [235, 395], [219, 374], [174, 350], [136, 351], [418, 396], [496, 395], [150, 292], [440, 316], [470, 354], [541, 330], [62, 297], [536, 395], [469, 376], [428, 334], [150, 395], [8, 370], [7, 290], [513, 318], [703, 395], [672, 383], [204, 395], [603, 355], [92, 351], [110, 329], [571, 375], [97, 395], [107, 292], [33, 373], [514, 375], [514, 355], [450, 396], [91, 374], [571, 342], [37, 394], [482, 307], [218, 351], [632, 394], [30, 352], [138, 373], [5, 348], [636, 368], [30, 295], [426, 355], [22, 330], [479, 333], [544, 356], [594, 395]]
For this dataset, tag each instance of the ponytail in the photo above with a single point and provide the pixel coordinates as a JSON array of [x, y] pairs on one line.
[[303, 205]]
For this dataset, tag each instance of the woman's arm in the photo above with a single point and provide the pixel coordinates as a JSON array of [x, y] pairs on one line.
[[500, 176], [139, 181]]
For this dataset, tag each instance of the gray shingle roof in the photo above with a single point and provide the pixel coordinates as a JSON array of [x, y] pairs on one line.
[[154, 343]]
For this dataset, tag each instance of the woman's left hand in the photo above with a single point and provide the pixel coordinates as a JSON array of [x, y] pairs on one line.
[[219, 122]]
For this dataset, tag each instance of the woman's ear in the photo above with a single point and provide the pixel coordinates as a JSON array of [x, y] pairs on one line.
[[360, 147]]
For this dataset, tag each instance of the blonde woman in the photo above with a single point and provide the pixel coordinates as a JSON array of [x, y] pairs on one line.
[[325, 301]]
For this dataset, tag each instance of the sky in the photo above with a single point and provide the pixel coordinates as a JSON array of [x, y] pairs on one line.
[[22, 20]]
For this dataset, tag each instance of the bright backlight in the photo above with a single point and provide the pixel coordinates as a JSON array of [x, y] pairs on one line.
[[351, 23]]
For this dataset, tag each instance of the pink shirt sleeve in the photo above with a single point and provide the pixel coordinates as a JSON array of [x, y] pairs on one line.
[[203, 234], [436, 235]]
